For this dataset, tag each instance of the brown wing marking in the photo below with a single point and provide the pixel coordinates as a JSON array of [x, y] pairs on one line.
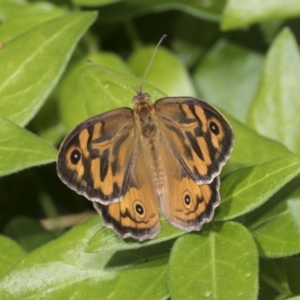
[[137, 214], [184, 203], [96, 158], [197, 134]]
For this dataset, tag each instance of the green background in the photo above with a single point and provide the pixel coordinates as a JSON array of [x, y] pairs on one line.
[[241, 56]]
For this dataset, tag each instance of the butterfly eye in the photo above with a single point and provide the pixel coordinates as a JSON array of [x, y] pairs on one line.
[[75, 156], [214, 128], [187, 200], [139, 209]]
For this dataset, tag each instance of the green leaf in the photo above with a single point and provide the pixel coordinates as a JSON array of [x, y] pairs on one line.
[[233, 93], [243, 13], [106, 240], [72, 90], [125, 10], [278, 237], [275, 109], [219, 264], [20, 149], [273, 282], [27, 232], [143, 281], [274, 229], [247, 188], [10, 252], [95, 2], [270, 29], [28, 76], [47, 123], [165, 72], [250, 148], [8, 7], [114, 89], [294, 210], [61, 267], [26, 18]]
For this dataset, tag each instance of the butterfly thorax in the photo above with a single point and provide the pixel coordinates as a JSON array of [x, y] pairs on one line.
[[144, 115]]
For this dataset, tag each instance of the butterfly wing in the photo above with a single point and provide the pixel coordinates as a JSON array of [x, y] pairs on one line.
[[197, 134], [184, 203], [96, 158], [137, 215]]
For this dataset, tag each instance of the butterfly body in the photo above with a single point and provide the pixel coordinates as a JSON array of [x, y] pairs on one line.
[[157, 157]]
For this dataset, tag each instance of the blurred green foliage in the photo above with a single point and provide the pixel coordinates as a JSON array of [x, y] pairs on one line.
[[241, 56]]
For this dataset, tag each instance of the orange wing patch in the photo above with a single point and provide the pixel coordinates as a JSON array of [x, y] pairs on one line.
[[96, 158], [137, 214], [197, 134]]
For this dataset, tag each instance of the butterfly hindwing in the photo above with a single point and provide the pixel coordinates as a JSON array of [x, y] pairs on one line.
[[184, 203], [96, 158], [136, 215], [197, 134], [192, 205]]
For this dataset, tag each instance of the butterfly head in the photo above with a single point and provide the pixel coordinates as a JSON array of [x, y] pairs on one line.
[[141, 97]]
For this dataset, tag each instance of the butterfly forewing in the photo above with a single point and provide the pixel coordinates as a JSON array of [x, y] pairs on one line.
[[197, 134], [96, 158]]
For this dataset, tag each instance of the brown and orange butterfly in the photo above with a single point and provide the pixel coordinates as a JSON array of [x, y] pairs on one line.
[[134, 163], [157, 157]]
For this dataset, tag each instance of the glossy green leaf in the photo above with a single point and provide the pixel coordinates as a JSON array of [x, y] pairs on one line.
[[28, 233], [247, 188], [61, 267], [10, 252], [26, 18], [72, 92], [294, 210], [20, 149], [165, 72], [106, 240], [228, 77], [143, 281], [9, 7], [125, 10], [294, 298], [275, 110], [28, 76], [219, 264], [278, 237], [274, 229], [114, 89], [250, 148], [243, 13]]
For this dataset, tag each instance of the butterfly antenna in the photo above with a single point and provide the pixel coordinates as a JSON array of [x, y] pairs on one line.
[[151, 60], [110, 73], [138, 90]]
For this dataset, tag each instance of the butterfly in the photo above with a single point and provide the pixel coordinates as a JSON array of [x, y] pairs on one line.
[[135, 163]]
